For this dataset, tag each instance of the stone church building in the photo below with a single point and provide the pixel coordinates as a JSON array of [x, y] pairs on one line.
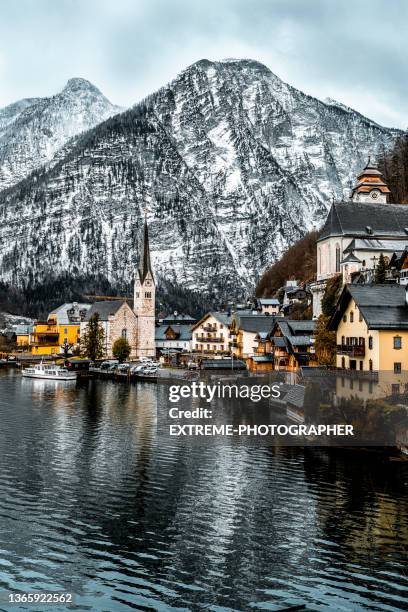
[[118, 319], [356, 232]]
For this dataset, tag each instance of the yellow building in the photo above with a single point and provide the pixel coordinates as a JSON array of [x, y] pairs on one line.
[[371, 325], [61, 328]]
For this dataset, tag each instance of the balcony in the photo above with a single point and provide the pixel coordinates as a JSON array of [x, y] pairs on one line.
[[352, 350], [209, 328]]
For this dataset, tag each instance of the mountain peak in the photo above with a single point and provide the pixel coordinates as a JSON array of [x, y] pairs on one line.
[[77, 84]]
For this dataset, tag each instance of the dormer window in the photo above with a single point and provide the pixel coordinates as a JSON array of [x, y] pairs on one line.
[[369, 230]]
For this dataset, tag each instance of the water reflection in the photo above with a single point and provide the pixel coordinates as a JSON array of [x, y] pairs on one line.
[[92, 500]]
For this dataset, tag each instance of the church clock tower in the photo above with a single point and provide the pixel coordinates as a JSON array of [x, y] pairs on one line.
[[144, 301], [370, 186]]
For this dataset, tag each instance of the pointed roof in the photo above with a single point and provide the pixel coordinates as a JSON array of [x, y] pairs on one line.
[[145, 265], [350, 258], [370, 178]]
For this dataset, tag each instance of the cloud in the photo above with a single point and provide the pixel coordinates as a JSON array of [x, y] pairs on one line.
[[351, 51]]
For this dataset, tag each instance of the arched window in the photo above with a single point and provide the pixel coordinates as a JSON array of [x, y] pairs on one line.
[[370, 343], [370, 365], [124, 333], [351, 317], [337, 258]]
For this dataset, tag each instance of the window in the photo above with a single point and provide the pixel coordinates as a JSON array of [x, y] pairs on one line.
[[360, 317], [351, 317], [344, 318], [65, 330], [343, 362], [361, 365], [137, 294], [337, 258], [148, 294], [397, 367], [397, 342], [342, 340], [370, 365], [370, 343], [124, 333]]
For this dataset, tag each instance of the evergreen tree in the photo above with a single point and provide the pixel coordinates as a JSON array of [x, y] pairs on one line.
[[380, 270], [121, 349], [92, 341]]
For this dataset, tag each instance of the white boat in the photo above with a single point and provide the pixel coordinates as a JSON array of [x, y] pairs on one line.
[[49, 372]]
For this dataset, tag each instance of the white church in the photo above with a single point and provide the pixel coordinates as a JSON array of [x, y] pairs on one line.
[[357, 231], [118, 319]]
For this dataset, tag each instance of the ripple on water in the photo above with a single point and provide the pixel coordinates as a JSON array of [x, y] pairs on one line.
[[92, 501]]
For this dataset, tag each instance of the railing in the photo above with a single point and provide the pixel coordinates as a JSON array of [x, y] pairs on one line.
[[352, 350], [209, 328]]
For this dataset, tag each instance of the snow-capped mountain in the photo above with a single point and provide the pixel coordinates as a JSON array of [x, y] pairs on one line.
[[232, 164], [34, 129]]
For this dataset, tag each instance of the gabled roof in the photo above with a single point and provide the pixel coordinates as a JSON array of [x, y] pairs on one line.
[[382, 306], [183, 332], [353, 219], [104, 309], [69, 313], [350, 258], [268, 301], [255, 323], [222, 317]]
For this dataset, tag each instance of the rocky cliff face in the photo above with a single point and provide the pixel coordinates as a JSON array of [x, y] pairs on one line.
[[232, 164], [34, 129]]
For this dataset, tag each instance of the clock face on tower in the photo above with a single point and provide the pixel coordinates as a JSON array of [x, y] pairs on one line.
[[374, 195], [148, 283]]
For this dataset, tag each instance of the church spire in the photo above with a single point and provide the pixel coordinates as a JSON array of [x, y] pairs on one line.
[[145, 265]]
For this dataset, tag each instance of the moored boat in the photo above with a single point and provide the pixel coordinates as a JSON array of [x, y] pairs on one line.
[[49, 372]]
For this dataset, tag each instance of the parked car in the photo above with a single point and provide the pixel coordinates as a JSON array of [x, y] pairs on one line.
[[106, 365], [123, 367], [191, 365]]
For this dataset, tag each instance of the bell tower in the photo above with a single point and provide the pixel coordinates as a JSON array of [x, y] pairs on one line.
[[144, 301], [370, 186]]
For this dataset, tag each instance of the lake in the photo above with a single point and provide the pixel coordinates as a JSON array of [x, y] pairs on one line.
[[94, 502]]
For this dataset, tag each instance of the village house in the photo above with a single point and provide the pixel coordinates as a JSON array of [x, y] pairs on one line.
[[244, 328], [293, 344], [61, 328], [211, 335], [269, 306], [356, 232], [371, 325], [117, 320], [173, 339]]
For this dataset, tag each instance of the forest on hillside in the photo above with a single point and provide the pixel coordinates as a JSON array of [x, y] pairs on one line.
[[394, 167], [298, 262]]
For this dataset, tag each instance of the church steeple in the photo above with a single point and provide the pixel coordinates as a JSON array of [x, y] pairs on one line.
[[145, 265], [370, 186], [144, 300]]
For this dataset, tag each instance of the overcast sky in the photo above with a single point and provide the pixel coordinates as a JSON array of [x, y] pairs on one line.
[[352, 50]]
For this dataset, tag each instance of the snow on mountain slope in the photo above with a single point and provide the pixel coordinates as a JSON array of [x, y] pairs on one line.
[[32, 130], [232, 163]]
